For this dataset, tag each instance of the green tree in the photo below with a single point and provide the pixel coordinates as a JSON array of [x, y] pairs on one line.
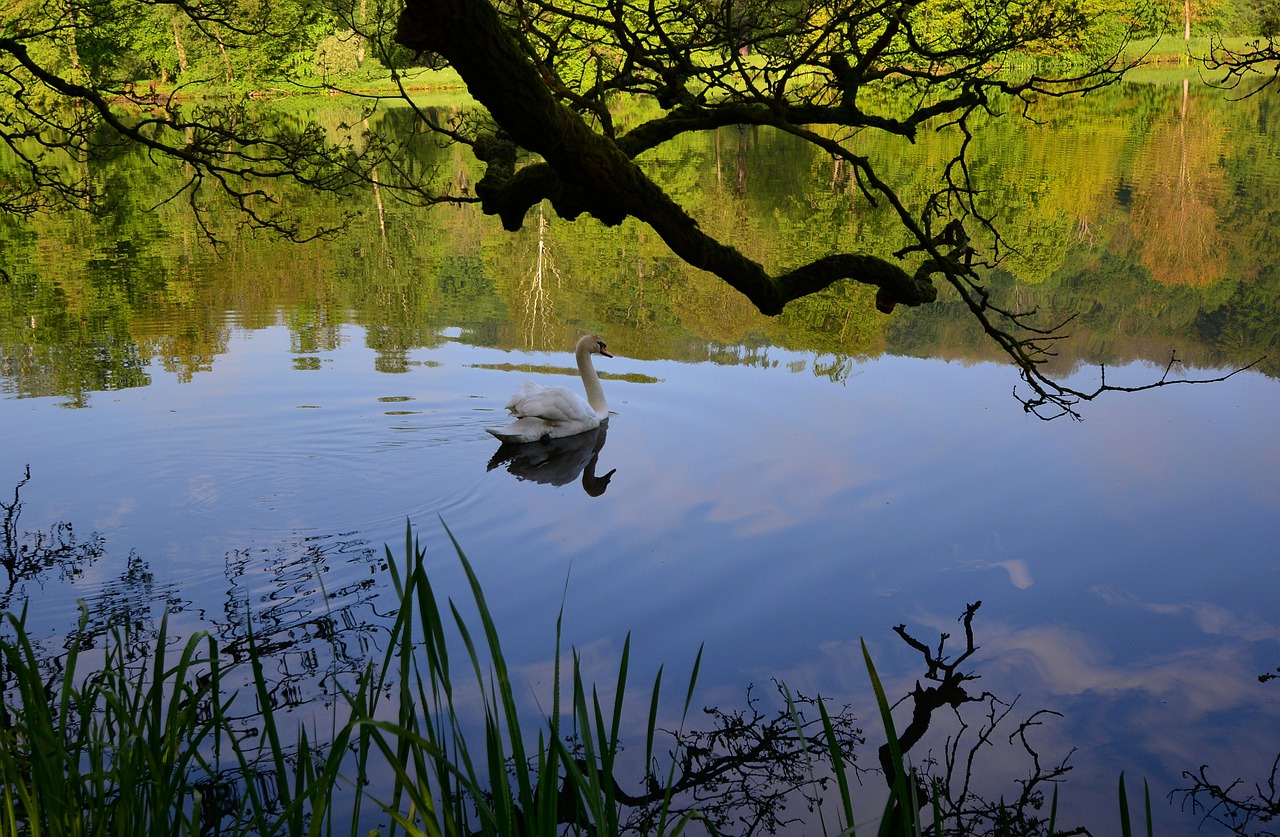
[[1185, 17]]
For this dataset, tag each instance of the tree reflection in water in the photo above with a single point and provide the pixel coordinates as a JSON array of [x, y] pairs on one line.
[[311, 635], [28, 555], [309, 639], [1243, 807], [36, 557], [741, 773], [314, 636]]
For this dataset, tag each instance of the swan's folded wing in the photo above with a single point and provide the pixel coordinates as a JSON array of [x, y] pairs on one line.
[[551, 404], [524, 391]]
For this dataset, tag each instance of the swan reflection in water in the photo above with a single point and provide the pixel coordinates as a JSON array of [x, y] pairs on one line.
[[558, 461]]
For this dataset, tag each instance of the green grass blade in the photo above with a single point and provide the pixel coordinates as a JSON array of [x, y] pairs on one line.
[[693, 679], [619, 690], [1126, 828], [898, 785], [652, 727], [504, 697], [837, 765], [1146, 798]]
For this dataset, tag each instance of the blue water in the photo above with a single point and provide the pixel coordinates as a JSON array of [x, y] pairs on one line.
[[1127, 564]]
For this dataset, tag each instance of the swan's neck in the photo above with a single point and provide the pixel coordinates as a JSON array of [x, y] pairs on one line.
[[591, 381]]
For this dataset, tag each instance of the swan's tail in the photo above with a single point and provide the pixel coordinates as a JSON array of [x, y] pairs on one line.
[[517, 434], [502, 434]]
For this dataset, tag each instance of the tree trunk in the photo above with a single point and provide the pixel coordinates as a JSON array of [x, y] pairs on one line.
[[177, 45], [226, 60]]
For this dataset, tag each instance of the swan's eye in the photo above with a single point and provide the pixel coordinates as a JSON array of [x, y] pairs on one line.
[[600, 343]]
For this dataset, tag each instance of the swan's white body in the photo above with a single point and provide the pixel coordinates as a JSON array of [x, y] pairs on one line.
[[555, 412]]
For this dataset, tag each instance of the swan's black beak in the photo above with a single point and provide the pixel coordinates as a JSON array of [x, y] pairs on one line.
[[603, 350]]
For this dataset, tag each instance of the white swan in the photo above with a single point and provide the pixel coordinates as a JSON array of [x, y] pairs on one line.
[[555, 412]]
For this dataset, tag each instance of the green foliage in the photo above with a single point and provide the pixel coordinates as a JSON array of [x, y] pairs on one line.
[[1169, 17], [338, 54], [109, 753], [1126, 815]]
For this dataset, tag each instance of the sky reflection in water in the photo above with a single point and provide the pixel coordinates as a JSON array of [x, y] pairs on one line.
[[1126, 563]]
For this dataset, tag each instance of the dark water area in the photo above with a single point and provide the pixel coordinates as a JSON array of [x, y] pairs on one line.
[[245, 429]]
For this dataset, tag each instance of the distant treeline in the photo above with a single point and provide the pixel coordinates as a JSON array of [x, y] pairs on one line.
[[253, 45]]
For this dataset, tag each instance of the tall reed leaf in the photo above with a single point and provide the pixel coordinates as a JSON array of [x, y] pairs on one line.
[[837, 765], [898, 797]]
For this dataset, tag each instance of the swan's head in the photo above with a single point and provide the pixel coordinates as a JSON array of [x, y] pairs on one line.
[[596, 344]]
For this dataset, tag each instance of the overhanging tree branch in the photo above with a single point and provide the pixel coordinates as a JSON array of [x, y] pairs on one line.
[[589, 173]]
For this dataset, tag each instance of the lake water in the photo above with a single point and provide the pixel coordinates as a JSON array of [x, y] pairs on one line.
[[247, 428]]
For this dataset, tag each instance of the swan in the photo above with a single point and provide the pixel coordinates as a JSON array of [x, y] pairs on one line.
[[543, 413]]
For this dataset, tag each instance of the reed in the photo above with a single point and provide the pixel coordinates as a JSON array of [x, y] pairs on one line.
[[108, 753], [134, 744]]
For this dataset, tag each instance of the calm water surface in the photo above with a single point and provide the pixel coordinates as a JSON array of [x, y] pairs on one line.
[[766, 507]]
